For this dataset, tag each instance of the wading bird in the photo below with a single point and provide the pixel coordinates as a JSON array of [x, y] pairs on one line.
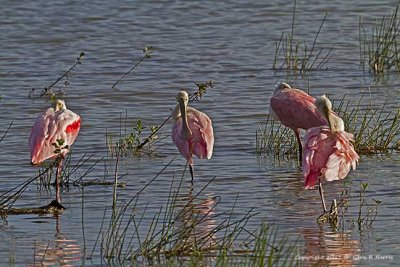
[[327, 151], [52, 135], [192, 132], [295, 109]]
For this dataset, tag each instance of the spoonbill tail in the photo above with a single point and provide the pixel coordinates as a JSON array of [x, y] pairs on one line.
[[192, 132], [57, 125], [295, 109], [327, 151]]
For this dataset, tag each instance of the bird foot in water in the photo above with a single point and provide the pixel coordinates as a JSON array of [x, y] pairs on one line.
[[330, 216], [55, 206]]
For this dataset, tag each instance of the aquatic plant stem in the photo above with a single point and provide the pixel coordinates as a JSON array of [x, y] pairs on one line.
[[83, 222], [148, 139], [78, 61], [321, 193], [6, 132], [7, 199], [147, 52], [115, 183], [292, 33], [196, 96]]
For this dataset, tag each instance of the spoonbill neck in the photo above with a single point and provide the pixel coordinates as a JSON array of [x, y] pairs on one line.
[[336, 124], [186, 132]]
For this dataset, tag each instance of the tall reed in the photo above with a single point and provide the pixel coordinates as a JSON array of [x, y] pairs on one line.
[[380, 48], [189, 227], [296, 56], [274, 139], [376, 129]]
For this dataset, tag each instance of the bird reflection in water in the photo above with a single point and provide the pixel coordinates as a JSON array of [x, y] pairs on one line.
[[325, 248], [195, 223], [58, 252]]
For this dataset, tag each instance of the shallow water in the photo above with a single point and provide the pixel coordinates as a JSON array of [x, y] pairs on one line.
[[232, 43]]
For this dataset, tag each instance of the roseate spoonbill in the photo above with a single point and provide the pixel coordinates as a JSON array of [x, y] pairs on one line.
[[50, 128], [192, 132], [327, 151], [295, 109]]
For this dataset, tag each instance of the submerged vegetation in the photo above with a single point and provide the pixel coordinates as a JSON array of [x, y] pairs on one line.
[[380, 48], [296, 56]]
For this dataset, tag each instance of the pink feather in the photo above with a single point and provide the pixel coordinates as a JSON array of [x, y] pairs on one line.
[[327, 154], [294, 108], [50, 126], [201, 142]]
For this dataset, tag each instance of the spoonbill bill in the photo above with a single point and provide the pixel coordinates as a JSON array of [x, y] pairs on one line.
[[52, 135], [192, 131]]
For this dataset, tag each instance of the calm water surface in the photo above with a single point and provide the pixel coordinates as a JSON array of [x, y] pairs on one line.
[[230, 42]]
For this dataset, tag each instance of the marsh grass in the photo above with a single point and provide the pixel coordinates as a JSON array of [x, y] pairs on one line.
[[8, 198], [70, 173], [375, 129], [296, 56], [266, 248], [188, 228], [276, 140], [44, 181], [380, 48], [356, 209]]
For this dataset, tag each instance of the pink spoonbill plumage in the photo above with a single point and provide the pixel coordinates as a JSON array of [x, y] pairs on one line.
[[53, 126], [327, 151], [192, 131], [295, 109]]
